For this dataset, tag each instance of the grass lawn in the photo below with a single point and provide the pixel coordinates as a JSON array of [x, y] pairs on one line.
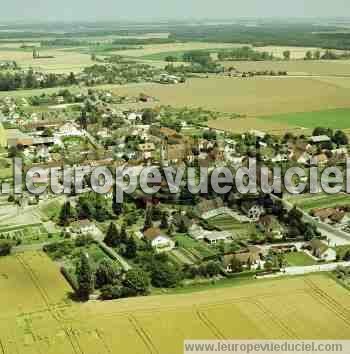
[[335, 119], [197, 248], [308, 202], [341, 250], [52, 210], [299, 259], [227, 223]]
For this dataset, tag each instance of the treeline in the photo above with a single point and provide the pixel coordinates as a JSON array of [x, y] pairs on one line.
[[266, 34], [142, 41], [15, 80], [244, 53]]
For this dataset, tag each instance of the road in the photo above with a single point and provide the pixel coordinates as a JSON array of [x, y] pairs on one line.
[[336, 237], [326, 267]]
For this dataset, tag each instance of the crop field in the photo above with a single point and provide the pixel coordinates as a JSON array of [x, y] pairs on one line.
[[160, 51], [63, 61], [252, 97], [295, 67], [227, 223], [334, 118], [45, 321], [308, 202]]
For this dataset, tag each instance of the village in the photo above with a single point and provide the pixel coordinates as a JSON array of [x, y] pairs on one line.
[[180, 238]]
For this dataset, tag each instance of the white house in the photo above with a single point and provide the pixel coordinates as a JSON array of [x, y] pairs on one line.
[[158, 241]]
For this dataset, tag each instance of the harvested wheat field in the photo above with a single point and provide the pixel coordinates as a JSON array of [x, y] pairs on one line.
[[62, 61], [37, 318], [295, 67], [253, 97]]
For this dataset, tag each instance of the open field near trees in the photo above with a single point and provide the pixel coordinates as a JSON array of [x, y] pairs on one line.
[[160, 51], [335, 119], [63, 62], [308, 202], [295, 67], [44, 321], [253, 97]]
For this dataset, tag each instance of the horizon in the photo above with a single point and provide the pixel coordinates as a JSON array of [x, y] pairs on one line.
[[155, 10]]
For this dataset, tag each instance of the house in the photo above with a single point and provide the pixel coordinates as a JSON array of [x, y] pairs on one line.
[[16, 137], [196, 232], [214, 237], [319, 139], [146, 150], [158, 241], [320, 250], [205, 207], [329, 215], [320, 159], [83, 227], [69, 130], [270, 226], [252, 257]]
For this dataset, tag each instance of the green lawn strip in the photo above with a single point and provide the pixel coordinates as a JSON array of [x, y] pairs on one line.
[[334, 118], [299, 259]]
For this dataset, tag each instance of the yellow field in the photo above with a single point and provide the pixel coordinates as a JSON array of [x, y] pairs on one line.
[[37, 318], [63, 61], [295, 67], [174, 47], [243, 125], [253, 97]]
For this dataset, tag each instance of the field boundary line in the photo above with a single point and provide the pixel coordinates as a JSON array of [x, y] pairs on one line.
[[334, 306], [275, 319], [146, 339], [101, 337], [50, 308], [209, 324]]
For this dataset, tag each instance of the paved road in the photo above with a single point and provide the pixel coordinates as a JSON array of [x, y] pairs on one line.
[[315, 268], [335, 236]]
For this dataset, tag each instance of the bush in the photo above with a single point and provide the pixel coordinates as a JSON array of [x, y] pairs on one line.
[[5, 247]]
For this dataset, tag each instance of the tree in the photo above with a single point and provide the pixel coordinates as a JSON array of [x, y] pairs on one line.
[[236, 265], [106, 273], [123, 235], [213, 269], [308, 55], [148, 218], [65, 214], [340, 138], [131, 248], [137, 280], [164, 275], [164, 224], [323, 131], [183, 227], [317, 55], [148, 116], [13, 151], [112, 238], [85, 277], [286, 55], [83, 119], [5, 247]]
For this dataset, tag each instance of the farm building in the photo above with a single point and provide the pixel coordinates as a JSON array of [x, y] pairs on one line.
[[157, 240]]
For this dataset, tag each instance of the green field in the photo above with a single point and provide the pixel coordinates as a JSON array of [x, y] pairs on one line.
[[334, 118], [197, 249], [299, 259], [227, 223], [308, 202]]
